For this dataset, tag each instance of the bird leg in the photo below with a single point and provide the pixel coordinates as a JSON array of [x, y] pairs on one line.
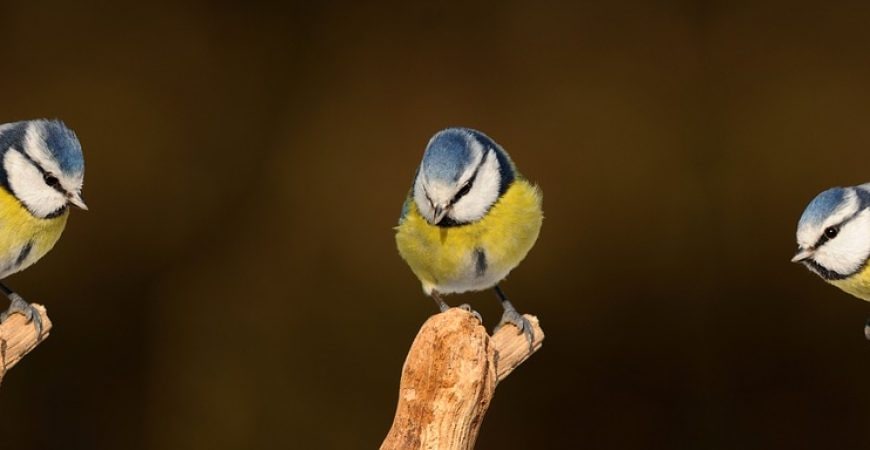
[[443, 306], [18, 305], [513, 317], [867, 330]]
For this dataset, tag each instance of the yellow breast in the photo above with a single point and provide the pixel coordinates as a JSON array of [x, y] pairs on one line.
[[857, 285], [474, 256], [24, 238]]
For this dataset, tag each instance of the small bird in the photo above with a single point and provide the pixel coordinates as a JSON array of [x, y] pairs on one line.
[[833, 237], [41, 174], [469, 219]]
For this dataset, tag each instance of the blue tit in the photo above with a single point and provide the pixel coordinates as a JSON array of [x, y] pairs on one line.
[[833, 237], [469, 219], [41, 175]]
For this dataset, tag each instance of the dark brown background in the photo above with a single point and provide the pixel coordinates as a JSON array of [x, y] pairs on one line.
[[235, 284]]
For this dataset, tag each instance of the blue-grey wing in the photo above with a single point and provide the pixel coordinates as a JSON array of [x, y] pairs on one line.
[[406, 207]]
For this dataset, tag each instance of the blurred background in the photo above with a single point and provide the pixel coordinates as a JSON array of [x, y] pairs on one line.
[[235, 284]]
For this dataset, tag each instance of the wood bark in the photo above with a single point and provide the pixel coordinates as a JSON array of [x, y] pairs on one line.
[[18, 337], [449, 379]]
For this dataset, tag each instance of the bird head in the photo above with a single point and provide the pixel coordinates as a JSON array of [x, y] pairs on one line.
[[462, 175], [42, 166], [833, 233]]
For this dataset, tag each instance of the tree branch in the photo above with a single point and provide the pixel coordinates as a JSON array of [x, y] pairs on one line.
[[449, 379], [18, 337]]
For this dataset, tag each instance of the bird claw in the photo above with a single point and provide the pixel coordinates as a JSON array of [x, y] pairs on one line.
[[18, 305], [511, 316], [467, 308]]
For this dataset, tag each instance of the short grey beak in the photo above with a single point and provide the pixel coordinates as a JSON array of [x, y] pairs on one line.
[[76, 199], [801, 255], [439, 213]]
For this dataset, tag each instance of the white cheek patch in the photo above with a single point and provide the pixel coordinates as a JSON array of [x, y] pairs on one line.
[[29, 187], [846, 253], [484, 192]]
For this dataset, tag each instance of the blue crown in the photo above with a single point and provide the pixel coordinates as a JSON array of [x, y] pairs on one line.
[[60, 141], [447, 154], [822, 206], [63, 145]]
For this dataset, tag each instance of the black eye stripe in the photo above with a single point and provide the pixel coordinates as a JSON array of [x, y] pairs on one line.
[[32, 161], [464, 191], [470, 183], [46, 176], [51, 180], [823, 238], [834, 230], [45, 173]]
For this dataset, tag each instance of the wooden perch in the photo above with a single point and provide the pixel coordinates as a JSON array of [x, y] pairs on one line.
[[449, 378], [18, 337]]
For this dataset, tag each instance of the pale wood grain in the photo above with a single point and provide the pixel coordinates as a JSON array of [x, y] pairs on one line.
[[18, 338], [449, 379]]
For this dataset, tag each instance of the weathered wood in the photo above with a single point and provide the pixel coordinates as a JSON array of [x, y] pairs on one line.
[[449, 379], [18, 337]]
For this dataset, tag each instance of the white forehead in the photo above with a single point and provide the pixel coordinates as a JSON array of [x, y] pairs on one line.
[[809, 232]]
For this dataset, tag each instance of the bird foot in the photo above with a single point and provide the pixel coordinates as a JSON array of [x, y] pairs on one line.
[[867, 330], [511, 316], [466, 307], [20, 306]]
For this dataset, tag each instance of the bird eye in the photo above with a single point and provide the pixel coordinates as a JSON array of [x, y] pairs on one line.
[[465, 188], [832, 232], [51, 180]]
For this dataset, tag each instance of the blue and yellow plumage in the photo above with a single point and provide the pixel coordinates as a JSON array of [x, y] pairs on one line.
[[25, 238], [833, 239], [469, 219], [41, 174]]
